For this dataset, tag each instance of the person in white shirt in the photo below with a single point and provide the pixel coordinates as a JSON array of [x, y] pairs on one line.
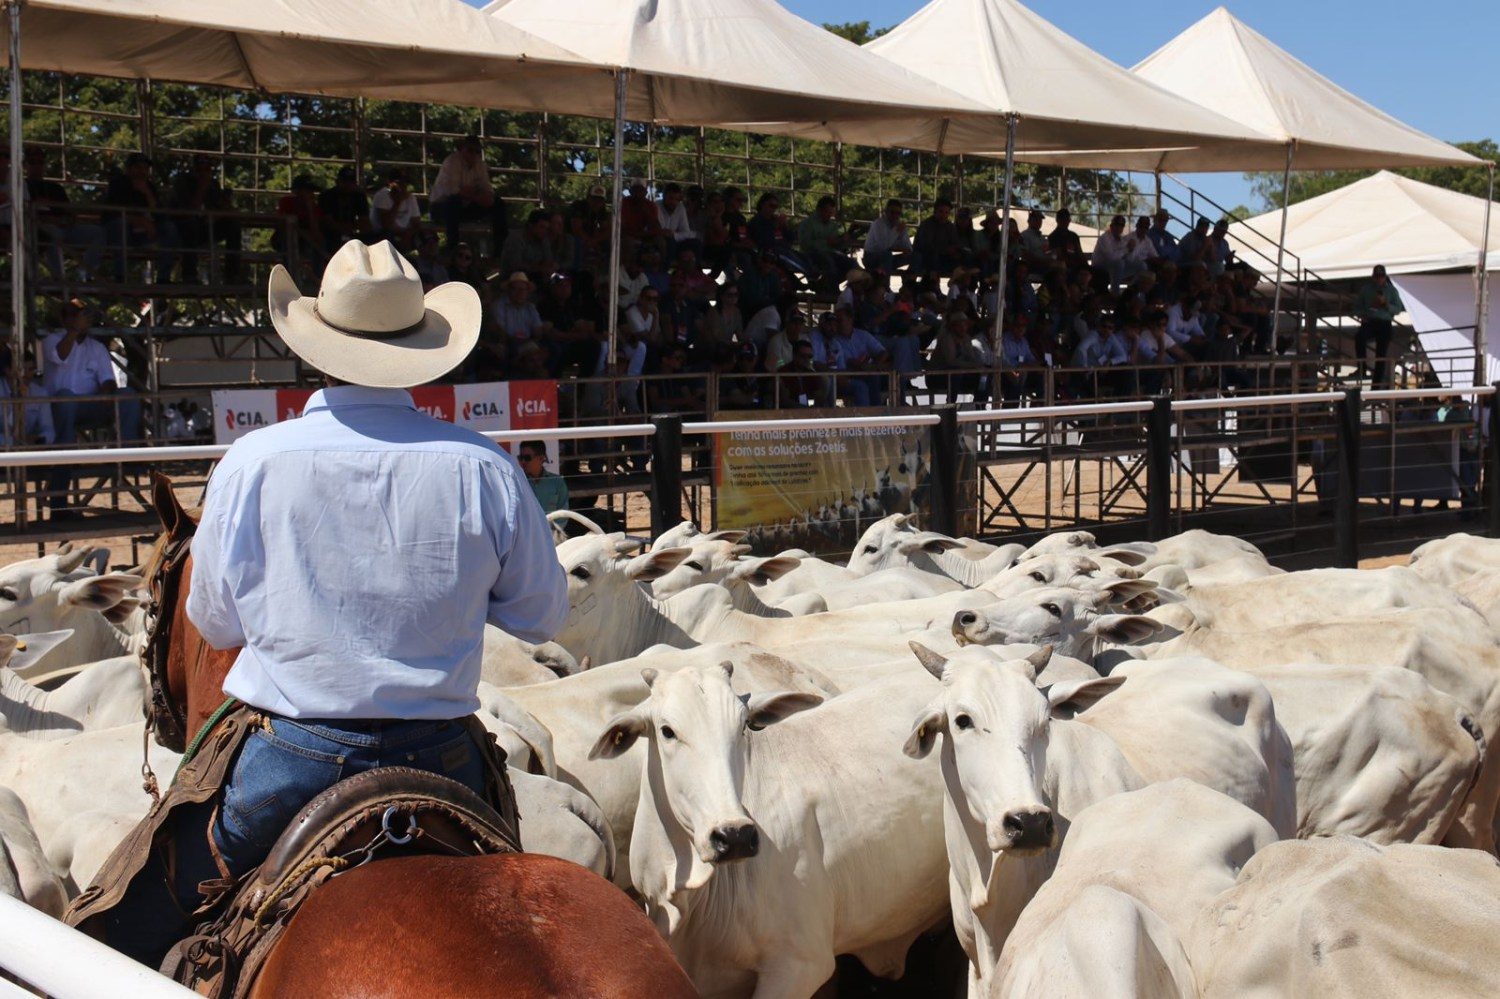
[[644, 316], [888, 243], [673, 216], [1034, 249], [462, 193], [1184, 324], [1139, 249], [354, 556], [75, 363], [632, 281], [1110, 251], [394, 214]]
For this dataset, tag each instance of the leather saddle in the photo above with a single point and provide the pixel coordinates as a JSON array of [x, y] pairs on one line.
[[388, 812]]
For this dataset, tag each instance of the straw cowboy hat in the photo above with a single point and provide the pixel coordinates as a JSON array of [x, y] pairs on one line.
[[371, 325]]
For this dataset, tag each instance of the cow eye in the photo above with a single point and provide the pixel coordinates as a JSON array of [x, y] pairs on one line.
[[667, 733], [964, 722], [1038, 577], [871, 549], [696, 567], [1052, 609], [6, 593], [579, 572]]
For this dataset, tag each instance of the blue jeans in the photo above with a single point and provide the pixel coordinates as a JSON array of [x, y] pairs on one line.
[[276, 775]]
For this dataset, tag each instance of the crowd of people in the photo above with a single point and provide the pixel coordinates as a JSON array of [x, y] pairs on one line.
[[709, 283]]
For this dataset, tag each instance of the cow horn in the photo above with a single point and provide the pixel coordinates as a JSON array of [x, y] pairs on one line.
[[649, 674], [728, 668], [739, 550], [1040, 658], [585, 664], [626, 545], [559, 515], [71, 560], [931, 661]]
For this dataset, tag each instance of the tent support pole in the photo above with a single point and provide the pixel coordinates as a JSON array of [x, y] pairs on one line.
[[1482, 292], [17, 202], [622, 77], [1286, 201], [1010, 177], [1157, 175]]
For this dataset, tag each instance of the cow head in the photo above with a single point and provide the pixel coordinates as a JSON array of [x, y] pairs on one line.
[[602, 574], [894, 542], [1072, 620], [1058, 569], [56, 593], [697, 731], [996, 726], [687, 534]]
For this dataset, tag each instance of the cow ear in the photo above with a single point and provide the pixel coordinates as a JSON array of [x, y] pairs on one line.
[[933, 662], [649, 675], [1124, 556], [619, 735], [100, 593], [733, 537], [1069, 698], [925, 732], [654, 565], [8, 645], [764, 570], [1123, 629], [770, 708], [927, 541], [1118, 592], [28, 650]]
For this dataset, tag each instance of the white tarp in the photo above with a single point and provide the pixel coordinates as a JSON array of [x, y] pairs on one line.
[[418, 50], [1408, 226], [1441, 310], [1223, 64], [721, 62], [1068, 96]]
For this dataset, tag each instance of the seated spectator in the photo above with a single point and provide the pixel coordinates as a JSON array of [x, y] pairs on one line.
[[1015, 355], [963, 289], [197, 190], [57, 227], [822, 241], [307, 247], [1196, 248], [644, 318], [801, 382], [771, 233], [346, 210], [672, 217], [741, 387], [764, 285], [679, 311], [760, 325], [463, 193], [742, 248], [75, 363], [550, 488], [514, 314], [1035, 250], [564, 246], [36, 417], [1165, 242], [697, 286], [1110, 251], [466, 267], [715, 231], [851, 349], [780, 345], [588, 221], [632, 281], [570, 323], [887, 244], [675, 392], [1220, 253], [1064, 242], [1185, 325], [640, 222], [955, 350], [394, 213], [1139, 250], [722, 325], [528, 362], [655, 271], [963, 223], [532, 249], [136, 221], [429, 262], [936, 248]]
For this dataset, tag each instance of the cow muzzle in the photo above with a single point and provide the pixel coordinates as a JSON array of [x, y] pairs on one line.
[[1023, 831], [737, 841], [971, 628]]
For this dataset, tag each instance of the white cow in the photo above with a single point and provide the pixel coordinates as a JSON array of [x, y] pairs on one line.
[[24, 870], [508, 661], [1341, 918], [763, 854], [103, 695], [1453, 559], [1073, 621], [1015, 770], [839, 588], [686, 534], [57, 593], [895, 542], [1133, 876]]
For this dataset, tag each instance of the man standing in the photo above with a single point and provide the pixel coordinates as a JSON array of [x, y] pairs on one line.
[[353, 556], [1376, 308], [462, 192]]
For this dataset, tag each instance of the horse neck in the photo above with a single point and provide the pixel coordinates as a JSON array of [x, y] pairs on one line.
[[195, 671]]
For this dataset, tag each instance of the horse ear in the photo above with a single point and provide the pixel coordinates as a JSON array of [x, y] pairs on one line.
[[164, 500]]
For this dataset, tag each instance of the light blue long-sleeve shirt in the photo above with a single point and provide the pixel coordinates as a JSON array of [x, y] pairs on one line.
[[355, 554]]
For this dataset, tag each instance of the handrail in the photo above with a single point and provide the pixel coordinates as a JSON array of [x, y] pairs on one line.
[[1384, 395], [66, 964], [828, 423], [1246, 401], [1054, 412]]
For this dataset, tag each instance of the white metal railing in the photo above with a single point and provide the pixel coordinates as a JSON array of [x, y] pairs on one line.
[[1248, 401], [63, 963], [1054, 412], [1388, 395], [826, 423]]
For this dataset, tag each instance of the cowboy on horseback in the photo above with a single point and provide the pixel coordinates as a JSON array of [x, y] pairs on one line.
[[353, 556]]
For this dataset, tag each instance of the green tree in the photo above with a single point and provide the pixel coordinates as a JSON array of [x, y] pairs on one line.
[[857, 32], [1467, 180]]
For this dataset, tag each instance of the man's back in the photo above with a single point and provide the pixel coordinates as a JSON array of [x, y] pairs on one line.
[[355, 554]]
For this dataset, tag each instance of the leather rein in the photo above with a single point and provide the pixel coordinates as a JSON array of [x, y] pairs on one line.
[[166, 717]]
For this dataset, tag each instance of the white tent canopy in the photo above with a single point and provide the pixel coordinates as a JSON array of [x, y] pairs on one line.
[[420, 50], [720, 62], [1225, 65], [1067, 96], [1386, 218], [1441, 308]]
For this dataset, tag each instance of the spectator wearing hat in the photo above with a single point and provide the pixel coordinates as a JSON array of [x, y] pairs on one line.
[[1064, 242], [550, 488], [463, 193], [822, 240], [963, 288], [76, 363], [936, 249], [346, 209], [57, 227], [1164, 241], [887, 244], [588, 221], [532, 249], [303, 223], [394, 214], [134, 220], [571, 322], [1377, 305], [197, 190], [743, 385], [514, 313]]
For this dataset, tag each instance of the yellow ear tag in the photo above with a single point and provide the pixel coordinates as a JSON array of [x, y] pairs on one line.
[[20, 645]]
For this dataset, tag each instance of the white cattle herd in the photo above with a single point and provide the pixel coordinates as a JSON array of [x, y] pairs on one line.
[[1162, 769]]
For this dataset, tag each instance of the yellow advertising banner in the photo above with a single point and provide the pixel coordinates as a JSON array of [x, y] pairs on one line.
[[818, 489]]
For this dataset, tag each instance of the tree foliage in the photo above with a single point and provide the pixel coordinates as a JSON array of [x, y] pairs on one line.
[[1467, 180]]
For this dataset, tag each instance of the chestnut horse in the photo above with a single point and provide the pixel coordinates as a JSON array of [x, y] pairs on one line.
[[520, 925]]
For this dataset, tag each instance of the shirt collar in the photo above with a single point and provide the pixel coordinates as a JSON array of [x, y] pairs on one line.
[[339, 396]]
